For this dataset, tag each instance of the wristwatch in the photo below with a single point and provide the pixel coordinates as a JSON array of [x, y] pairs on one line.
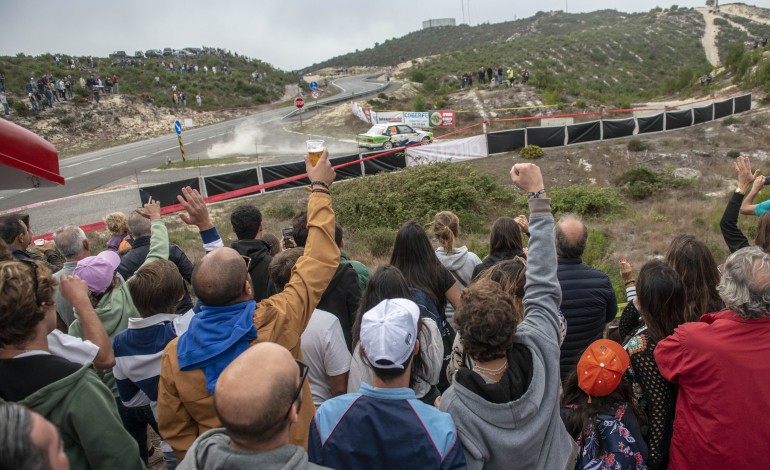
[[738, 191]]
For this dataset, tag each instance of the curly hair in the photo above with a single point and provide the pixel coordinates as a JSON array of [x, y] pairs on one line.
[[20, 306], [446, 229], [486, 320], [116, 222], [745, 284]]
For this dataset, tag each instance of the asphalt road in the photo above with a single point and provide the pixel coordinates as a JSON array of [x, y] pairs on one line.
[[118, 166]]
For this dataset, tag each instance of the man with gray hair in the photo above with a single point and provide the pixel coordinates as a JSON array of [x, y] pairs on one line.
[[28, 440], [721, 365], [588, 299], [72, 243]]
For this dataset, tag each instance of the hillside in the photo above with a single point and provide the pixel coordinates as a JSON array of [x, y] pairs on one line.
[[604, 56]]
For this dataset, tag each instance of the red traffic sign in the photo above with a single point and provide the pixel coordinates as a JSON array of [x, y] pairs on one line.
[[299, 103]]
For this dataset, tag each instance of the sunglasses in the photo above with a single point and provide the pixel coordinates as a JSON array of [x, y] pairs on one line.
[[33, 266], [303, 370]]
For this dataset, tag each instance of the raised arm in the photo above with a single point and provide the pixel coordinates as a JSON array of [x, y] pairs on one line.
[[198, 215], [158, 234], [75, 291], [734, 238], [542, 294], [288, 312]]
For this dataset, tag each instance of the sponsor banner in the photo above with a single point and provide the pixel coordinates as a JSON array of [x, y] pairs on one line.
[[437, 118], [459, 150], [386, 117]]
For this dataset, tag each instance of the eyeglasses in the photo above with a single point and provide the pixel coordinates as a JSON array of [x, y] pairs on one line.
[[303, 370], [33, 267]]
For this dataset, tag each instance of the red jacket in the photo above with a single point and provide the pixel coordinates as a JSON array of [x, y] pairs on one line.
[[722, 367]]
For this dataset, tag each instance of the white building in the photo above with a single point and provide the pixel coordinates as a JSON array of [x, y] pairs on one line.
[[438, 23]]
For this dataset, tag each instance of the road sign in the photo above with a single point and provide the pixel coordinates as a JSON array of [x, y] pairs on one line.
[[178, 127], [299, 103], [313, 86], [315, 94]]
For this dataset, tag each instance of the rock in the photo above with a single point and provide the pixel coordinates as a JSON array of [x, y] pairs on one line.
[[687, 173], [585, 165]]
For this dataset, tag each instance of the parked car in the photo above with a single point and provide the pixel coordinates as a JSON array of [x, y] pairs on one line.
[[181, 54], [193, 50], [167, 51], [138, 55], [119, 54], [387, 136], [153, 53]]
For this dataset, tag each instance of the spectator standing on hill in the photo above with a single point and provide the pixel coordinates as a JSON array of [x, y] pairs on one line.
[[490, 74], [4, 102], [198, 99], [115, 84], [470, 79], [247, 225], [97, 91], [588, 299], [720, 365], [482, 74]]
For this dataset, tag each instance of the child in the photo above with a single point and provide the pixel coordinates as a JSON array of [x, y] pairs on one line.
[[117, 224], [598, 411]]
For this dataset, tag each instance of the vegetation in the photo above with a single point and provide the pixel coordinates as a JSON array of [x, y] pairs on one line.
[[218, 91], [531, 152], [636, 145]]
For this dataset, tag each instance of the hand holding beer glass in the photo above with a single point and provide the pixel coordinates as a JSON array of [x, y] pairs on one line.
[[314, 149]]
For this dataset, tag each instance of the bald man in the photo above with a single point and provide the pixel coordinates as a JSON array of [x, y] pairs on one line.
[[230, 321], [257, 399], [588, 299]]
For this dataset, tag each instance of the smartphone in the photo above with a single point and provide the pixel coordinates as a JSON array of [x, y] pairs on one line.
[[288, 233]]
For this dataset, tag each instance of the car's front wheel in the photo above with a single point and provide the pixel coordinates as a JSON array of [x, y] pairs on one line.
[[387, 145], [426, 140]]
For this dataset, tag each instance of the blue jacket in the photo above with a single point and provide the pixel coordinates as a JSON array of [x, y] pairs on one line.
[[587, 303], [383, 428]]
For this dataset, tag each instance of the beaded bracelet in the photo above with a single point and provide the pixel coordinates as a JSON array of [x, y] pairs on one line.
[[319, 183]]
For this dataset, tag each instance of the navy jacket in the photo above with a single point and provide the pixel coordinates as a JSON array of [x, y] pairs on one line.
[[383, 428], [134, 258], [588, 304]]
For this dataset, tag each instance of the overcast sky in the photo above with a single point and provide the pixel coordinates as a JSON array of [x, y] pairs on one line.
[[288, 34]]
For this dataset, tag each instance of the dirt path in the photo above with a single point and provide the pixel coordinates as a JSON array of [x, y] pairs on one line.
[[745, 11], [709, 39]]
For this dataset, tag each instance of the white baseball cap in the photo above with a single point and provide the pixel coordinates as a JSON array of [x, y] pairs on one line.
[[389, 331]]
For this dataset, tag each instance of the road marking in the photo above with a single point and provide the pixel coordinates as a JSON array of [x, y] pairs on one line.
[[139, 158], [26, 190], [92, 171], [119, 163], [201, 140], [74, 164], [94, 159], [164, 150]]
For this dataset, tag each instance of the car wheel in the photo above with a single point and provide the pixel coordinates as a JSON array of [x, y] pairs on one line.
[[426, 140], [387, 145]]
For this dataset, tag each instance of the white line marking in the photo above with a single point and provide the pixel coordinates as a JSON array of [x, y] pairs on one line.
[[164, 150], [95, 159], [26, 190], [74, 164], [200, 140], [92, 171], [139, 158], [119, 163]]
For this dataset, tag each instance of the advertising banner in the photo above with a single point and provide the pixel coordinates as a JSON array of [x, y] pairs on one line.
[[437, 118]]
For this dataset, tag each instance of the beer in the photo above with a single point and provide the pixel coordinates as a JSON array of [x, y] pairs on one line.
[[314, 149]]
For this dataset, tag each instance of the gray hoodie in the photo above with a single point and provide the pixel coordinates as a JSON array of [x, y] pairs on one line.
[[461, 262], [528, 432], [212, 451]]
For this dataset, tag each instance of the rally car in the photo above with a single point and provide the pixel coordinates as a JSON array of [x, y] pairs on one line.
[[387, 136]]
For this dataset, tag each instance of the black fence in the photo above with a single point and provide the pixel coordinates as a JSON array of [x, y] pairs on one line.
[[510, 140]]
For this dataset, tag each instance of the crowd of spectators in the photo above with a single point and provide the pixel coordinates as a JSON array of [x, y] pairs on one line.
[[302, 358], [492, 77]]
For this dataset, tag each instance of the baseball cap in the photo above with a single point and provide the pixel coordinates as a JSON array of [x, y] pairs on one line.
[[98, 270], [601, 367], [389, 331]]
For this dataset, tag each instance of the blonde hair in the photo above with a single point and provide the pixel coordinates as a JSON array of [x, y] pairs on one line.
[[446, 229], [116, 222], [21, 308]]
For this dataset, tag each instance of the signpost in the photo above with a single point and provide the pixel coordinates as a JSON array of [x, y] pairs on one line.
[[299, 103], [313, 86], [178, 130]]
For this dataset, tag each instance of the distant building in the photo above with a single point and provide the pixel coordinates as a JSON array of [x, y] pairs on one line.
[[441, 22]]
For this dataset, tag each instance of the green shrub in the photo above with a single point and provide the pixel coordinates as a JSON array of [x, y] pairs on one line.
[[640, 182], [585, 200], [389, 200], [69, 120], [378, 240], [420, 104], [729, 120], [636, 145], [281, 211], [734, 153], [419, 76], [531, 152], [20, 108]]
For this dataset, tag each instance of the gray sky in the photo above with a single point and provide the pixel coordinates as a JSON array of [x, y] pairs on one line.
[[287, 34]]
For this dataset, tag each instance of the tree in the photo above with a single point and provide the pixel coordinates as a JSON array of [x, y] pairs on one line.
[[709, 3]]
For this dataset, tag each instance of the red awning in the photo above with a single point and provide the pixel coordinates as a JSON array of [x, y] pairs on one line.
[[31, 160]]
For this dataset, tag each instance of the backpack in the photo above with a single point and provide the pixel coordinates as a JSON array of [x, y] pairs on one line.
[[428, 309], [611, 445]]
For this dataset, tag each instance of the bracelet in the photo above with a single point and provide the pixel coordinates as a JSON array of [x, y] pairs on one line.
[[319, 183], [630, 281], [536, 194], [319, 190]]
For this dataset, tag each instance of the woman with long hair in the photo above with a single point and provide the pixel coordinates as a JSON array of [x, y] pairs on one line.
[[660, 303], [695, 264], [387, 282], [457, 259], [504, 243], [433, 284]]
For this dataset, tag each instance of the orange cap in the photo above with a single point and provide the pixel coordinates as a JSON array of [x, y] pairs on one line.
[[601, 367]]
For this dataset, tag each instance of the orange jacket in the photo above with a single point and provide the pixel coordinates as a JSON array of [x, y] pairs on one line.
[[185, 407]]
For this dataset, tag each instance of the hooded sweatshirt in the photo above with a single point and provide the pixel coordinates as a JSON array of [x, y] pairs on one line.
[[74, 399], [212, 451], [527, 431], [460, 262], [259, 252]]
